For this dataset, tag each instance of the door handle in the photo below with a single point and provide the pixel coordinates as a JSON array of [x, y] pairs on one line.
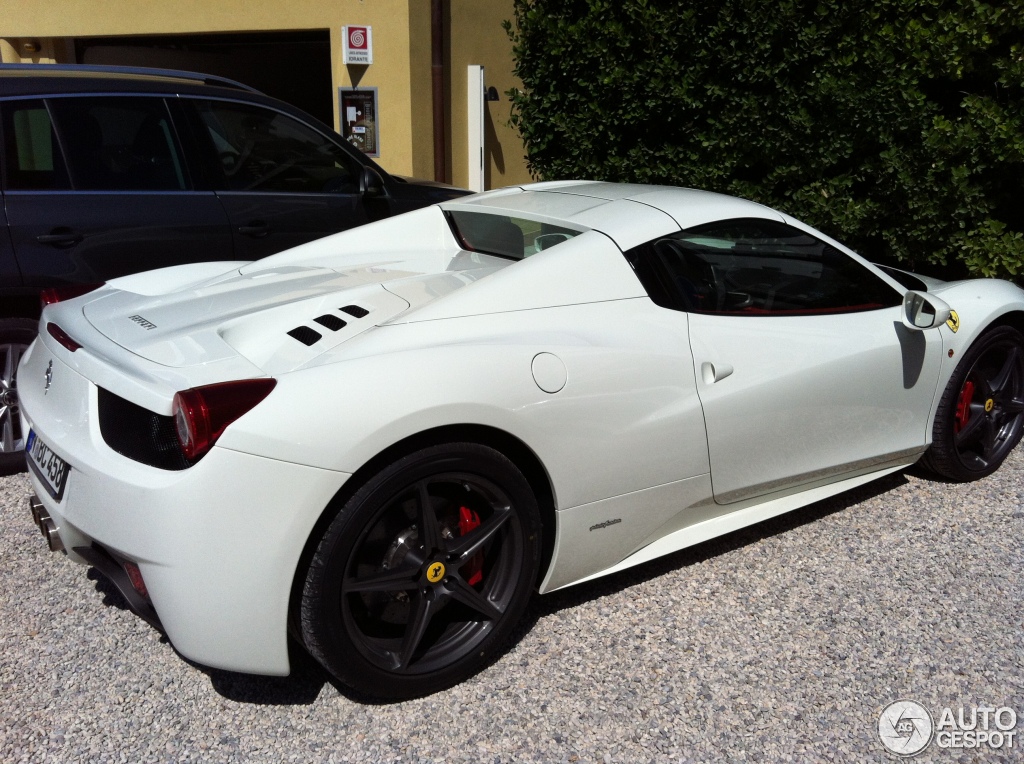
[[62, 238], [255, 228], [714, 372]]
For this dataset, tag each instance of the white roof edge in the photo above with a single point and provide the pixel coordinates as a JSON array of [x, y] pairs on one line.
[[550, 185]]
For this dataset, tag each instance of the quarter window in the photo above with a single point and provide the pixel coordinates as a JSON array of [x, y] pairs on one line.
[[756, 267]]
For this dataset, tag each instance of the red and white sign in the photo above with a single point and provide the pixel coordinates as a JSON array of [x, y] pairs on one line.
[[358, 45]]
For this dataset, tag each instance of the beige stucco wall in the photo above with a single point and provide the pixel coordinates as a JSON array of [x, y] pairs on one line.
[[478, 38], [401, 53]]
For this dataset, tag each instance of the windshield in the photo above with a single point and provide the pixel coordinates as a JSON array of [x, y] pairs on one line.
[[504, 235]]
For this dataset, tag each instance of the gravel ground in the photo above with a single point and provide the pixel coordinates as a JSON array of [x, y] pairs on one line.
[[781, 642]]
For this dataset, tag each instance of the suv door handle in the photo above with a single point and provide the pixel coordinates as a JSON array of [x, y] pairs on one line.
[[62, 238], [255, 228]]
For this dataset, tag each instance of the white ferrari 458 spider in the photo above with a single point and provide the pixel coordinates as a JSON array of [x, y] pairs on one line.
[[383, 442]]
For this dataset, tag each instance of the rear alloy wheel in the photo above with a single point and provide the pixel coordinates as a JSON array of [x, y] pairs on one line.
[[16, 334], [981, 415], [424, 572]]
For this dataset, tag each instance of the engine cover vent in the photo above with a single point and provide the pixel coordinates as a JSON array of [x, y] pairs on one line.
[[305, 335], [354, 310], [331, 322]]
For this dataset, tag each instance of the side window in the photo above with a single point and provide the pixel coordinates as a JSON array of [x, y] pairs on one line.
[[756, 267], [260, 149], [32, 155], [119, 144]]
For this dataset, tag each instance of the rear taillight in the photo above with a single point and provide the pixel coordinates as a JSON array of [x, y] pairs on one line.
[[61, 293], [203, 413]]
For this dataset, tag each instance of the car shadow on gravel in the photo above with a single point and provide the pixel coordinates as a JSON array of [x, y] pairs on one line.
[[300, 688], [304, 685]]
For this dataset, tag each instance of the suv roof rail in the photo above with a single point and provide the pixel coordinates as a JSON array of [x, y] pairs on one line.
[[206, 79]]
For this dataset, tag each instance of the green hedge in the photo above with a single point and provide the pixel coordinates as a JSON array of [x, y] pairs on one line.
[[896, 126]]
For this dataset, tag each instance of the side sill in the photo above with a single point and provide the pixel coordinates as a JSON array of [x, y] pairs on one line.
[[740, 518]]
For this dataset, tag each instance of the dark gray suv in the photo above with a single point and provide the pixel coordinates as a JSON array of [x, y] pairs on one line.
[[107, 171]]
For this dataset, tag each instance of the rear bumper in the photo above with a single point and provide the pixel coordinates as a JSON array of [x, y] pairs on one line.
[[95, 555], [217, 544]]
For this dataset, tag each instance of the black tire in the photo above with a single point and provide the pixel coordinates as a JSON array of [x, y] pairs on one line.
[[423, 573], [16, 334], [980, 418]]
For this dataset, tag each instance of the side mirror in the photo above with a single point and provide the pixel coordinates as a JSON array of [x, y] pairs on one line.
[[371, 184], [924, 311]]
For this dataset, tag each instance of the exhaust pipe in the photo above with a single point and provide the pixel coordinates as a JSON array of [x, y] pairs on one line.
[[45, 524], [36, 507], [53, 539]]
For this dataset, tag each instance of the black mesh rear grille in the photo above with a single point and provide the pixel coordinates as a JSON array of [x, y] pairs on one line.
[[140, 434]]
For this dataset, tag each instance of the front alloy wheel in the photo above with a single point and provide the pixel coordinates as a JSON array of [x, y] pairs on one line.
[[981, 414], [423, 573]]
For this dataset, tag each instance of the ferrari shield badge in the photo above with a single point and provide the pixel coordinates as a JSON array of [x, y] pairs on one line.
[[953, 322]]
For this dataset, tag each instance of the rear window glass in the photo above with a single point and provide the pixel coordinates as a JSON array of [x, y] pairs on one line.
[[505, 235]]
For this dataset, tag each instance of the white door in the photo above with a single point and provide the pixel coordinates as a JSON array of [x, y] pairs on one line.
[[810, 397], [804, 368]]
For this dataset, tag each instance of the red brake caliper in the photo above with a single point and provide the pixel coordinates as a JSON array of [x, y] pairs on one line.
[[963, 407], [472, 571]]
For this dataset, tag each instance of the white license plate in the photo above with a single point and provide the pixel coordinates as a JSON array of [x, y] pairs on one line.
[[49, 467]]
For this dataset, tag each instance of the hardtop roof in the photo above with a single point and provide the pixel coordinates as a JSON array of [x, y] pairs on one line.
[[628, 213]]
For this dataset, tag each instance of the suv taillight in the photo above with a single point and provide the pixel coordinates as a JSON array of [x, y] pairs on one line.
[[201, 414], [61, 293]]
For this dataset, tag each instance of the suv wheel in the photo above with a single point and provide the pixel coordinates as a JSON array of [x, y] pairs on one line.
[[16, 334]]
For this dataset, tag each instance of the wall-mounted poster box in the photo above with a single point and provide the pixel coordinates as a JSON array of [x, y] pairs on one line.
[[360, 125]]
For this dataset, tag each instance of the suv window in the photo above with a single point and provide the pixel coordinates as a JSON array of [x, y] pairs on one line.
[[34, 160], [264, 150], [756, 267], [119, 144]]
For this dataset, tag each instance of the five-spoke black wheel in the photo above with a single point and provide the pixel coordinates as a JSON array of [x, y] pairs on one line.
[[981, 415], [423, 572]]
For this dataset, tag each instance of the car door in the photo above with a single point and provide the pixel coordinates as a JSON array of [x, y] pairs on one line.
[[804, 368], [281, 181], [96, 187]]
